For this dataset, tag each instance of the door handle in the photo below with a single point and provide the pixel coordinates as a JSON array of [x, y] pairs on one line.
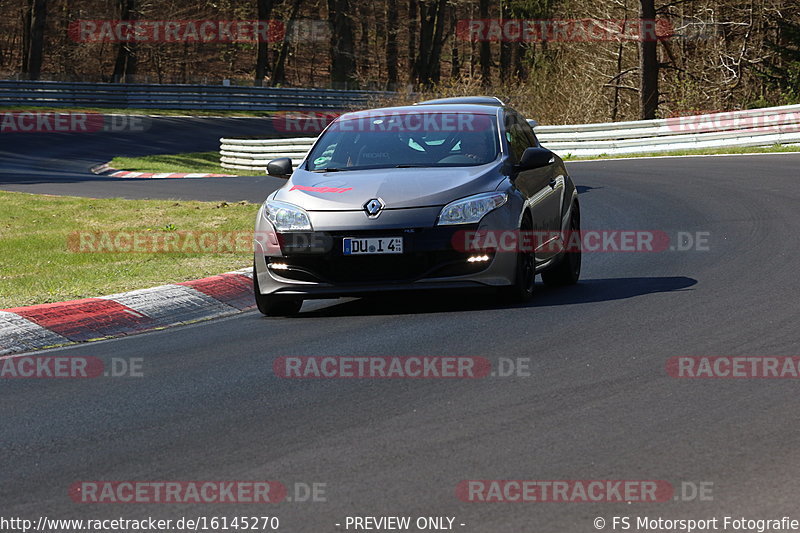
[[552, 183]]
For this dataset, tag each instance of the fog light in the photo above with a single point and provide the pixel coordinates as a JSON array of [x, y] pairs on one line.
[[477, 258], [279, 266]]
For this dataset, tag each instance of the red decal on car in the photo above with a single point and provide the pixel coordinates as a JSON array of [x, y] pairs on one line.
[[320, 189]]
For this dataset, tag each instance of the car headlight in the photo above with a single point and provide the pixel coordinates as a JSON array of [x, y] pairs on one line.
[[471, 209], [286, 217]]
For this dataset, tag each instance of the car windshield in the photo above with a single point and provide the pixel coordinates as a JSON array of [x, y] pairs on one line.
[[398, 140]]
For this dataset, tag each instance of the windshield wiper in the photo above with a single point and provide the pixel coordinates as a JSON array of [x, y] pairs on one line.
[[329, 170], [412, 166]]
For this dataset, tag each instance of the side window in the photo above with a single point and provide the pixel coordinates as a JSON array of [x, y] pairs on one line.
[[529, 132], [515, 135]]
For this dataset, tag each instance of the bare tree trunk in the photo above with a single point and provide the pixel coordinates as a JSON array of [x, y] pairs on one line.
[[412, 41], [648, 60], [33, 46], [620, 51], [126, 64], [439, 37], [391, 45], [262, 54], [131, 64], [520, 72], [505, 46], [615, 105], [455, 54], [343, 65], [426, 22], [26, 37], [363, 56], [431, 39], [38, 22], [279, 72], [485, 49]]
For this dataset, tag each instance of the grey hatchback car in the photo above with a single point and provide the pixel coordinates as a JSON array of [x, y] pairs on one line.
[[451, 193]]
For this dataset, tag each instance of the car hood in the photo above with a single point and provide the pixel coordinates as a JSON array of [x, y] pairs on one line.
[[399, 188]]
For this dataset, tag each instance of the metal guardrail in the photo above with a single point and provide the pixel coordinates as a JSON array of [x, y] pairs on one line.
[[203, 97], [245, 154], [750, 128]]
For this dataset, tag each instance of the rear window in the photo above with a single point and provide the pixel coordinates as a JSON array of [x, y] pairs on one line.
[[369, 140]]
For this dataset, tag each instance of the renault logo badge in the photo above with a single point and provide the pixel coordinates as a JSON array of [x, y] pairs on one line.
[[374, 207]]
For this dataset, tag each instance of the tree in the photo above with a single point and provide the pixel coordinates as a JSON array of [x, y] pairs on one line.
[[264, 8], [279, 72], [26, 36], [506, 47], [455, 54], [391, 45], [783, 70], [343, 63], [412, 39], [485, 49], [126, 63], [648, 61], [34, 23], [431, 39]]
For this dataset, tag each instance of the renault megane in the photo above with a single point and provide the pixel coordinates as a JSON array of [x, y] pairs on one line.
[[385, 199]]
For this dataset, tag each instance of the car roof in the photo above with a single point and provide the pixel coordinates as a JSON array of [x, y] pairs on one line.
[[478, 100], [477, 109]]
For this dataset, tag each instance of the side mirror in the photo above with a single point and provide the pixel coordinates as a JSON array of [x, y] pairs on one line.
[[280, 168], [536, 157]]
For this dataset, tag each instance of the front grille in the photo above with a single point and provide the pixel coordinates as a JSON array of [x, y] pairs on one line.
[[428, 253]]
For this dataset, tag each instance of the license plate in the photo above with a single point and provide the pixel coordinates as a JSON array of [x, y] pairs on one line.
[[378, 245]]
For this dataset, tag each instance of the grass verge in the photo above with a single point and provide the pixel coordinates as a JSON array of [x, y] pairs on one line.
[[37, 265], [205, 162]]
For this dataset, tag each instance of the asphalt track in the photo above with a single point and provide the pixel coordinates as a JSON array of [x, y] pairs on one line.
[[59, 163], [598, 404]]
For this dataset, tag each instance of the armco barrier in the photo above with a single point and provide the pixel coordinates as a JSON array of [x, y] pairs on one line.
[[750, 128], [202, 97]]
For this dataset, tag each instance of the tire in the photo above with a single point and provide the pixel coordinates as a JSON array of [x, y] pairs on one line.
[[525, 276], [568, 269], [270, 305]]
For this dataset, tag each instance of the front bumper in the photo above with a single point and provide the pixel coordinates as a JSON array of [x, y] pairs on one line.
[[314, 265]]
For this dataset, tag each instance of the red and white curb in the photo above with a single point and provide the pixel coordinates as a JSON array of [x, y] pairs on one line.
[[35, 327], [106, 170]]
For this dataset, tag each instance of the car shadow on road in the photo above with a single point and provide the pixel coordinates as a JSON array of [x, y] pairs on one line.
[[583, 189], [587, 291]]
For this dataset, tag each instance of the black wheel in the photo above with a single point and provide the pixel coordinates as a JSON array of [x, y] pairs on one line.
[[522, 289], [270, 305], [568, 269]]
